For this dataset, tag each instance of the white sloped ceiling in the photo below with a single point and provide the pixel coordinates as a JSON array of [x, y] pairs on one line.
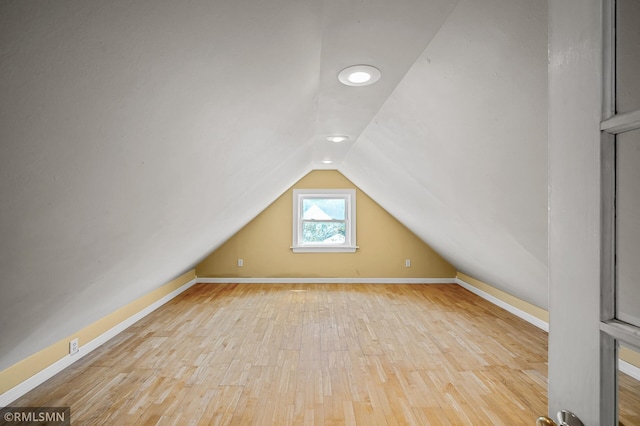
[[458, 152], [137, 136]]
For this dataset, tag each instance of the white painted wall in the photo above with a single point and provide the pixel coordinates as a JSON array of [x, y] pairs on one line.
[[458, 153], [136, 137]]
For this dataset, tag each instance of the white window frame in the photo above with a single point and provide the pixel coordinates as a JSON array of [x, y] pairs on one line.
[[349, 245]]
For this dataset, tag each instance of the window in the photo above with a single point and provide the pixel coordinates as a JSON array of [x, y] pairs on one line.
[[324, 220], [620, 199]]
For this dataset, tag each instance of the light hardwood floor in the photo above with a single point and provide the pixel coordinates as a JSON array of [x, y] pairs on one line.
[[312, 354]]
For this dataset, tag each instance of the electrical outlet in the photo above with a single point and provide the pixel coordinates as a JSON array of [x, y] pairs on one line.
[[240, 262], [407, 263], [73, 346]]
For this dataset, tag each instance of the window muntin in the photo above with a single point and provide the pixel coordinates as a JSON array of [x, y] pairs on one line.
[[324, 220]]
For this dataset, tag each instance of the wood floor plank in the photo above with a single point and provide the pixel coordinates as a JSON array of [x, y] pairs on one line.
[[313, 354], [629, 404]]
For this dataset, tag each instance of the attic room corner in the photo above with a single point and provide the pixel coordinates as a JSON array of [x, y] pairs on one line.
[[384, 244], [38, 367]]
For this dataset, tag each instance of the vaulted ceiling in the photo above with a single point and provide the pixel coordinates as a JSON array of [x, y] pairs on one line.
[[138, 136]]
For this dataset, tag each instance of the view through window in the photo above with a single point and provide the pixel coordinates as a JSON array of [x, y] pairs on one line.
[[324, 220]]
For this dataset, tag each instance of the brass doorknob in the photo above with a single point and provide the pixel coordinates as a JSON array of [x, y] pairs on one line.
[[566, 418], [545, 421]]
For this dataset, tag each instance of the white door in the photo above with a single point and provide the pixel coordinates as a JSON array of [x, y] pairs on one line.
[[594, 201]]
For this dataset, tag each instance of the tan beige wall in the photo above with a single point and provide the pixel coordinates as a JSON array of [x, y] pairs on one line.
[[630, 356], [265, 244], [506, 297], [37, 362]]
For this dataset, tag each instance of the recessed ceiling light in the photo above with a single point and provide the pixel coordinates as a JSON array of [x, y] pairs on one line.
[[327, 161], [359, 75], [337, 138]]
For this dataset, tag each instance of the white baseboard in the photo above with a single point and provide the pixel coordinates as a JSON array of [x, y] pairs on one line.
[[17, 391], [623, 366], [24, 387], [327, 280], [504, 305], [629, 369]]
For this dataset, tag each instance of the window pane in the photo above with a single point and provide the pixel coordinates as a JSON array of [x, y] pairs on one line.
[[323, 232], [628, 227], [627, 55], [323, 208], [628, 391]]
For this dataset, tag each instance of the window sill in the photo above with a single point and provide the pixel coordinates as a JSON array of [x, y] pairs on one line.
[[341, 249]]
